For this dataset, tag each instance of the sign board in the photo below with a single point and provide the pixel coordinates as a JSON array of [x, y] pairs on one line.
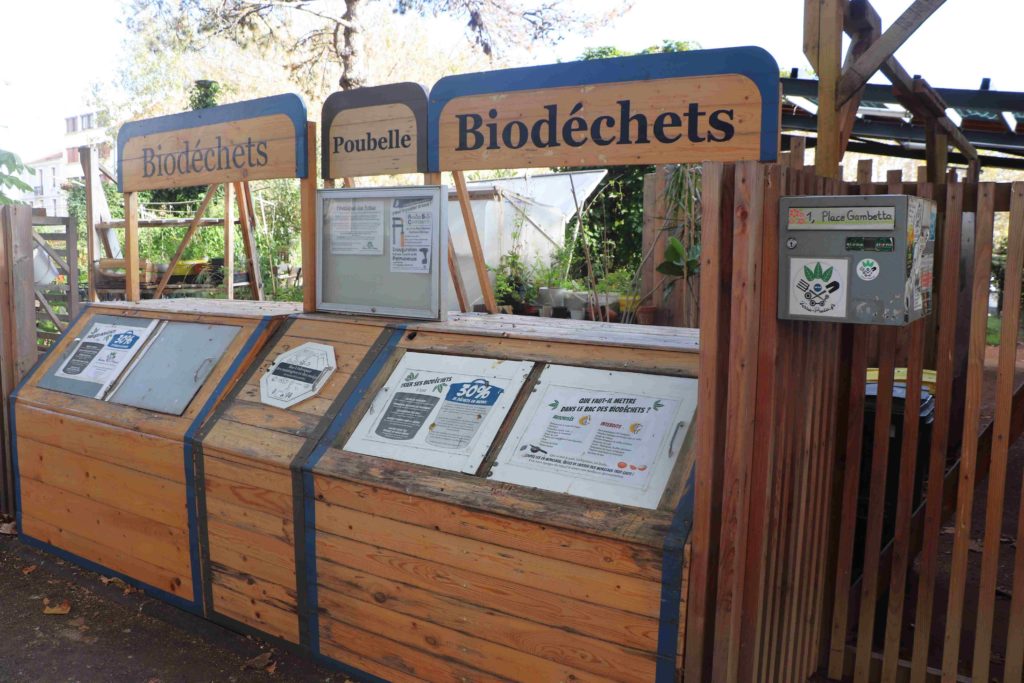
[[703, 105], [383, 251], [612, 436], [441, 411], [374, 131], [103, 353], [858, 259], [252, 140], [297, 374]]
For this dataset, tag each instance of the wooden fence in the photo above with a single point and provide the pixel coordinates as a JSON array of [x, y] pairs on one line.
[[809, 559], [56, 303]]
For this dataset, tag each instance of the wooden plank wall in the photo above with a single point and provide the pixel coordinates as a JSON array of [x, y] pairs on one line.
[[247, 458], [968, 633], [678, 306]]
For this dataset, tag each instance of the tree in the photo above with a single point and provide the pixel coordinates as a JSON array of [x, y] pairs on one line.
[[312, 33], [10, 167]]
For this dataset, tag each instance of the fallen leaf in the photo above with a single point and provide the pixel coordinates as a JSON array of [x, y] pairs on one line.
[[1010, 540], [259, 661], [63, 608], [974, 546], [9, 529], [29, 569], [946, 530], [271, 668]]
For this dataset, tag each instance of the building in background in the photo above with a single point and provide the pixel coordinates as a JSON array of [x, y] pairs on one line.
[[48, 184]]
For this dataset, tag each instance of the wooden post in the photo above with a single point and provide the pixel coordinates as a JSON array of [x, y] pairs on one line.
[[229, 242], [307, 190], [71, 251], [827, 154], [936, 151], [252, 265], [91, 182], [474, 242], [132, 291]]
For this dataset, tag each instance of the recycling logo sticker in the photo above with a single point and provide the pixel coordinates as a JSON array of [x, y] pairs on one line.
[[868, 269], [818, 287]]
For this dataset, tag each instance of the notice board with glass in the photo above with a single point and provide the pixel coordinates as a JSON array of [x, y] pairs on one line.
[[383, 251]]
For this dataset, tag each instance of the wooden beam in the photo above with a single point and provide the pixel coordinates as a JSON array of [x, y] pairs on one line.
[[830, 32], [48, 309], [811, 32], [857, 74], [50, 250], [862, 40], [936, 152], [307, 190], [474, 242], [252, 263], [229, 242], [196, 220], [91, 179], [453, 258], [131, 247]]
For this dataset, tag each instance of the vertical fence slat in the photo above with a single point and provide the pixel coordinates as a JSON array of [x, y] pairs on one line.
[[739, 443], [716, 270], [904, 499], [972, 416], [764, 452], [946, 310], [876, 503], [1010, 316], [851, 487]]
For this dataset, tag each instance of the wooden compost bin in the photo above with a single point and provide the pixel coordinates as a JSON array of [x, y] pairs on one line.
[[249, 460], [419, 573], [110, 485]]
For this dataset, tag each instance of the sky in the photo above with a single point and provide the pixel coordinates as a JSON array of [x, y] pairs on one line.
[[58, 47]]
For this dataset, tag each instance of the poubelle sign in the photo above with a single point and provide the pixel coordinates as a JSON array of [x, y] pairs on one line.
[[252, 140], [374, 131], [659, 108]]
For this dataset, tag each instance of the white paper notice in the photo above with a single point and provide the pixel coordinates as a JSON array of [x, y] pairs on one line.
[[297, 374], [600, 434], [356, 226], [412, 225], [441, 411], [104, 352]]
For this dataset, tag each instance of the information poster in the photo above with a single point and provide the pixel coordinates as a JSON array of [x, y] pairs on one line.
[[600, 434], [412, 221], [297, 374], [441, 411], [103, 353], [356, 226]]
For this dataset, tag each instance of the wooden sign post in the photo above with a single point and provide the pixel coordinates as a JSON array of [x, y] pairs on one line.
[[383, 131], [233, 143]]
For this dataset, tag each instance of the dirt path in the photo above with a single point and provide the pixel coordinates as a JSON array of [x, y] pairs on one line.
[[111, 635]]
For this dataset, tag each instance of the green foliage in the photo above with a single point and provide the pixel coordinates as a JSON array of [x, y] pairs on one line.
[[680, 261], [180, 200], [514, 284], [993, 330], [203, 95], [553, 273], [623, 281], [10, 167]]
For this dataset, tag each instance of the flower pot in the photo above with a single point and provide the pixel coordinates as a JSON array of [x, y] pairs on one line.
[[551, 296], [547, 311], [645, 315], [576, 301], [576, 313]]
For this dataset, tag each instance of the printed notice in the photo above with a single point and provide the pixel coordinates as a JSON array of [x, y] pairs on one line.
[[104, 352], [600, 434], [297, 374], [412, 226], [441, 411], [356, 226], [818, 287]]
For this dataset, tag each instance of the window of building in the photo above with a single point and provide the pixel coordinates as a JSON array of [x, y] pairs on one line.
[[87, 121], [72, 155], [105, 150], [72, 123]]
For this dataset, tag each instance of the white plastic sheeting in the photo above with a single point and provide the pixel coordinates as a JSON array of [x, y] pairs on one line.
[[527, 212]]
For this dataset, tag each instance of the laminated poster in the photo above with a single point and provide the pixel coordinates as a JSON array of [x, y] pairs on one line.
[[297, 374], [412, 225], [356, 226], [600, 434], [441, 411], [104, 352]]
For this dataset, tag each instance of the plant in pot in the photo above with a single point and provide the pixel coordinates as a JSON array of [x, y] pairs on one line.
[[514, 288], [552, 281]]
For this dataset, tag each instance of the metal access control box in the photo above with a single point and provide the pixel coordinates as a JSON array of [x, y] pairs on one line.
[[856, 259]]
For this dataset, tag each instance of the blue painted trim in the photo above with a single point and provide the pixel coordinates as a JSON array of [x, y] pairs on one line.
[[13, 413], [753, 62], [309, 507], [189, 456], [289, 104], [175, 600], [348, 670], [671, 585]]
